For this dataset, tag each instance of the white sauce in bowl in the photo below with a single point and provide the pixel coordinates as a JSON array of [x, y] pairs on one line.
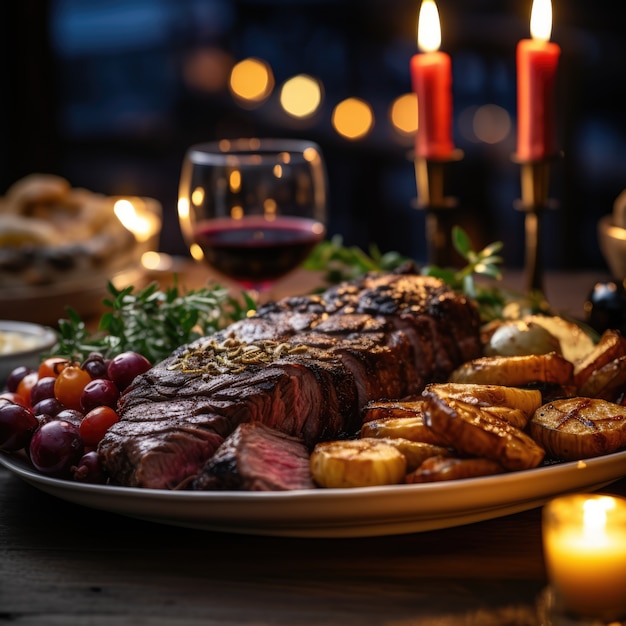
[[11, 342]]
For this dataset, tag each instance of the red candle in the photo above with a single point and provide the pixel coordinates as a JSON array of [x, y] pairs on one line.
[[431, 77], [537, 61]]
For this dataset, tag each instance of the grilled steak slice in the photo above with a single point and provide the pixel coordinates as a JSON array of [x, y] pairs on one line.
[[257, 458], [305, 366]]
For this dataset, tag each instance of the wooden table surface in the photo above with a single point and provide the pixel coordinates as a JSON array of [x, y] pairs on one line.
[[64, 564]]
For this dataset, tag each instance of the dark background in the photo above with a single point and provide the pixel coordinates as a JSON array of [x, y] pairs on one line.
[[97, 91]]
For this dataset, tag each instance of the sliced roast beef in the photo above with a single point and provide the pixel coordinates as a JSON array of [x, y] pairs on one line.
[[257, 458], [304, 366]]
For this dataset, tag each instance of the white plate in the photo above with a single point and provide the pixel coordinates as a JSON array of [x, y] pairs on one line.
[[362, 512]]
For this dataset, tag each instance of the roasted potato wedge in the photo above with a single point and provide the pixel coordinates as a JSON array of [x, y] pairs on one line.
[[515, 371], [357, 463], [514, 405], [475, 433], [608, 382], [383, 409], [411, 428], [578, 428], [416, 452], [440, 468], [612, 345]]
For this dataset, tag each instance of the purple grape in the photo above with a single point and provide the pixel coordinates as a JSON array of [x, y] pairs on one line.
[[99, 392], [125, 367], [70, 415], [89, 469], [96, 365], [55, 447], [42, 389], [48, 406], [16, 375], [17, 425]]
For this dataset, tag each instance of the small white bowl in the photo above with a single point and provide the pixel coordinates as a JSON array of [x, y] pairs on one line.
[[37, 340], [612, 240]]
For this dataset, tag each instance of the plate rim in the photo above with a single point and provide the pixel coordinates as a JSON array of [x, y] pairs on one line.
[[333, 512]]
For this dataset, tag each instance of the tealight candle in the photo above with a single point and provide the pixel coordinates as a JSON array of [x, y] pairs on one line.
[[584, 541]]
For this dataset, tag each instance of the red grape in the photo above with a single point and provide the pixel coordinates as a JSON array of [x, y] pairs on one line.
[[99, 392], [70, 415], [26, 385], [125, 367], [48, 406], [96, 365], [13, 397], [15, 376], [89, 469], [96, 423], [17, 425], [55, 447], [52, 366], [42, 389]]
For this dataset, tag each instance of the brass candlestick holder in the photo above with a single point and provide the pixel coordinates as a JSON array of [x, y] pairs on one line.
[[535, 187], [431, 197]]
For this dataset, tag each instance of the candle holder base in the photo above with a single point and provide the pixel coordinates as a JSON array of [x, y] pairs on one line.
[[550, 612], [439, 208], [535, 183]]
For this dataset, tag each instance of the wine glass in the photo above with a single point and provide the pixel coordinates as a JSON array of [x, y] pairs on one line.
[[253, 209]]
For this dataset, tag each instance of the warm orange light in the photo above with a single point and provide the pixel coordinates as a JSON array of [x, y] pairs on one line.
[[428, 27], [541, 20], [403, 114], [353, 118], [136, 218], [301, 96], [251, 81]]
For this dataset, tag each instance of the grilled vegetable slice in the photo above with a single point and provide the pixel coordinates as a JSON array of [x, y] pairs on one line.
[[514, 405], [607, 382], [416, 452], [411, 428], [473, 432], [439, 468], [579, 428], [383, 409], [357, 463], [612, 345], [515, 371]]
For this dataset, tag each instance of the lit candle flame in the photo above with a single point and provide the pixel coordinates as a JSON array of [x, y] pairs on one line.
[[594, 518], [428, 27], [541, 20], [143, 225]]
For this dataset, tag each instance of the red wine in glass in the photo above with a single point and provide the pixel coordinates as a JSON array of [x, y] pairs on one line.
[[257, 251], [253, 209]]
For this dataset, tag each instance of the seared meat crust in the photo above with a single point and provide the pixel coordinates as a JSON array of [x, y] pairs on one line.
[[384, 336]]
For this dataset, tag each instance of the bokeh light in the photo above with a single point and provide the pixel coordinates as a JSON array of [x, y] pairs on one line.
[[251, 81], [353, 118], [301, 96], [403, 114], [492, 123]]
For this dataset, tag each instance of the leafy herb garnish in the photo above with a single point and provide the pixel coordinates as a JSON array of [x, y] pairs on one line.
[[340, 263], [150, 321]]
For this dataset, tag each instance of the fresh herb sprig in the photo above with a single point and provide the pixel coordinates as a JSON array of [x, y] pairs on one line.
[[486, 263], [340, 263], [150, 321]]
